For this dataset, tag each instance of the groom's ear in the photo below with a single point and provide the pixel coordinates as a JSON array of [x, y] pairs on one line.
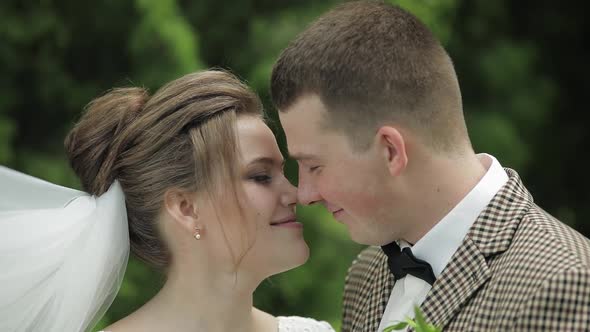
[[181, 206], [392, 146]]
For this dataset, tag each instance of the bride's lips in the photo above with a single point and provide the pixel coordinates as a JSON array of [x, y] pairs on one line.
[[290, 222]]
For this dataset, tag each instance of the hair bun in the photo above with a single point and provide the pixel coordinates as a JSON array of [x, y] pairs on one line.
[[95, 142]]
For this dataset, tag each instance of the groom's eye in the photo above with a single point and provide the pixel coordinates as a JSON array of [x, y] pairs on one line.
[[313, 168]]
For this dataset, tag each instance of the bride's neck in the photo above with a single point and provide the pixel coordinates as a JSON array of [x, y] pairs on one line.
[[199, 300]]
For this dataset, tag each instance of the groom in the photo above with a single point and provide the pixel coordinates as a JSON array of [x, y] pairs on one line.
[[371, 107]]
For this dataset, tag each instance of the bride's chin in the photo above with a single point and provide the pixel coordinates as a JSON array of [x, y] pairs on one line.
[[296, 258]]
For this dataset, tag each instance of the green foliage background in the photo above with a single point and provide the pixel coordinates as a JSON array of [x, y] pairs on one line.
[[521, 66]]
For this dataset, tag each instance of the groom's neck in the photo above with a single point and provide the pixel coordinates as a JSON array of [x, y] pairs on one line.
[[440, 184]]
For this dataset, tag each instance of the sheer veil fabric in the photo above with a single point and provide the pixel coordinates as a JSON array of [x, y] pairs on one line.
[[63, 254]]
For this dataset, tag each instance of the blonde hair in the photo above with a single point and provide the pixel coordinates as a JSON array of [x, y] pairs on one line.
[[181, 137]]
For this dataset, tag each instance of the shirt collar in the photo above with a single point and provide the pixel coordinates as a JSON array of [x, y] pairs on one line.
[[440, 243]]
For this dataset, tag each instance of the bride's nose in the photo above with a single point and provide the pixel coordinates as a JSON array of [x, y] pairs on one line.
[[289, 194]]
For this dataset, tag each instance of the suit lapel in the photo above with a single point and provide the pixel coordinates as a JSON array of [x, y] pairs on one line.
[[468, 270], [463, 276], [379, 288]]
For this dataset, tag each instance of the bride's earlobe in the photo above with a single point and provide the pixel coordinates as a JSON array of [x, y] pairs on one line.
[[180, 206]]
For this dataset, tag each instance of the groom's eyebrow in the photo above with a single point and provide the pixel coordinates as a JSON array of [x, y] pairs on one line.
[[302, 156]]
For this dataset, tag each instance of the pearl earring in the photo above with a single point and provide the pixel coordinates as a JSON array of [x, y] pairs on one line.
[[197, 234]]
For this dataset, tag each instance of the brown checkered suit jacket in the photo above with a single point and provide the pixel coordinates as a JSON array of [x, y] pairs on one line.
[[518, 269]]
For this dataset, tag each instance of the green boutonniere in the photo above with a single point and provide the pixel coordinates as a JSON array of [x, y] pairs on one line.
[[418, 323]]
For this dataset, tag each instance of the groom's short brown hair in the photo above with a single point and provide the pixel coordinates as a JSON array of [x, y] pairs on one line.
[[372, 63]]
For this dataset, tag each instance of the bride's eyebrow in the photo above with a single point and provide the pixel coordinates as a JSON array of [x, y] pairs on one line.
[[268, 161]]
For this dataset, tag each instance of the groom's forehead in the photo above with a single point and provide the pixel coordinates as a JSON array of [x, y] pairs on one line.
[[308, 107]]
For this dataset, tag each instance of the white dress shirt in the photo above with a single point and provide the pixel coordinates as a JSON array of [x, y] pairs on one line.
[[441, 242]]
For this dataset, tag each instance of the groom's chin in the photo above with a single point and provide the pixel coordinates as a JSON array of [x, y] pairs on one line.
[[363, 238]]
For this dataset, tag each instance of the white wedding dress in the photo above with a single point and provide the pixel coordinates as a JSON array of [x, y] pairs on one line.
[[302, 324], [299, 324]]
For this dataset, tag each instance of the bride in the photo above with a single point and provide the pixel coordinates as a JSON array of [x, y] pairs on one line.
[[191, 180]]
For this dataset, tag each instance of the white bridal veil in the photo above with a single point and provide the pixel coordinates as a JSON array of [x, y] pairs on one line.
[[63, 254]]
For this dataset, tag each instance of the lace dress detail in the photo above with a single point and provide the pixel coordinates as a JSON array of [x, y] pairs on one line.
[[302, 324]]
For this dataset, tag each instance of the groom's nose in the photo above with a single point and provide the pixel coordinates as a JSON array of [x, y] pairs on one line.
[[307, 192]]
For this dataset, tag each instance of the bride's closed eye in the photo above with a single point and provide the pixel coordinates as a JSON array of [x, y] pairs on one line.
[[262, 170], [262, 178]]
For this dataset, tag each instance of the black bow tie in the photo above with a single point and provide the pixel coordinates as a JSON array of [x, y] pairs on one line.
[[403, 262]]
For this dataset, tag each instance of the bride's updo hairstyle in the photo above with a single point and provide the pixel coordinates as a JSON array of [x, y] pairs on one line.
[[181, 137]]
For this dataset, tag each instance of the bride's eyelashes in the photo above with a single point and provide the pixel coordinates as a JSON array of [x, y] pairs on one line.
[[266, 176], [260, 176]]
